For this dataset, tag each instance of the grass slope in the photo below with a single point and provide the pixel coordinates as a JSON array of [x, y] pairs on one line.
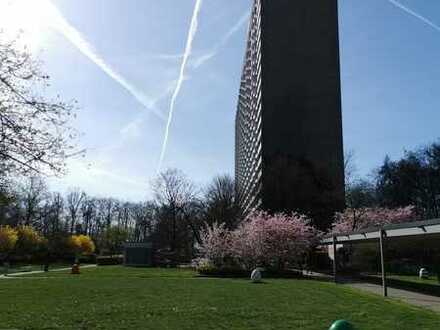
[[127, 298], [431, 281]]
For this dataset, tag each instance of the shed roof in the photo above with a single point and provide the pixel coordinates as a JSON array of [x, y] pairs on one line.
[[146, 245]]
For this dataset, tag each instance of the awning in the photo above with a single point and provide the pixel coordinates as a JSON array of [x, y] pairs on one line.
[[428, 229]]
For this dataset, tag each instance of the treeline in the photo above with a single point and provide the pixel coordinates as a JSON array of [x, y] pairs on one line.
[[412, 180], [36, 140], [172, 219], [30, 203]]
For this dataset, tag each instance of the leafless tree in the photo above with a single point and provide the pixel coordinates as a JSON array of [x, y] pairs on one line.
[[34, 132], [173, 188], [74, 199], [58, 211], [145, 218], [125, 215], [52, 214], [32, 194], [350, 168], [88, 211], [107, 209], [9, 209], [175, 193], [220, 203]]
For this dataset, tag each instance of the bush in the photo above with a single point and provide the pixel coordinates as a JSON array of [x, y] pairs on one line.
[[167, 258], [109, 260], [235, 272], [206, 268], [88, 259], [209, 270], [272, 241], [282, 274], [29, 241], [404, 267], [216, 247], [8, 239], [113, 239], [81, 244]]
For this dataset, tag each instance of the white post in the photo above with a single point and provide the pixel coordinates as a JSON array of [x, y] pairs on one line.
[[334, 259], [382, 236]]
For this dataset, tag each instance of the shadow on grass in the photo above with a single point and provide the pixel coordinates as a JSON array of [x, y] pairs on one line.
[[417, 287], [425, 288]]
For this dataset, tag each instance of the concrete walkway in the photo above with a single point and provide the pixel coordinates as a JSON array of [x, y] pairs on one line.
[[410, 297], [413, 298], [9, 276]]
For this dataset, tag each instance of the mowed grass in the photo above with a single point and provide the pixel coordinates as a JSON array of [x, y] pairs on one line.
[[432, 280], [129, 298], [28, 268]]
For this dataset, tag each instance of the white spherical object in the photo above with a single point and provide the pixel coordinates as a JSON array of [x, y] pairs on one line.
[[256, 276], [423, 273]]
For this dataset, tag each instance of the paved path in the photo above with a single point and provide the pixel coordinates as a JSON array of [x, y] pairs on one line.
[[410, 297], [413, 298], [40, 272]]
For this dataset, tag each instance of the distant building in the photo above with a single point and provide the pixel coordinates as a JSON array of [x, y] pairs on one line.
[[138, 254], [289, 148]]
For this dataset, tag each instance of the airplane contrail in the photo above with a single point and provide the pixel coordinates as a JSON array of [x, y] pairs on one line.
[[195, 64], [188, 49], [74, 36], [223, 41], [416, 15]]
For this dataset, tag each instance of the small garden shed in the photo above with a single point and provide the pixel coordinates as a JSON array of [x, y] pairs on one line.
[[138, 254]]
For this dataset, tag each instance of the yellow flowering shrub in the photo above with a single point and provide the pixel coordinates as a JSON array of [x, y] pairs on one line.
[[87, 245], [28, 239], [81, 244], [8, 239]]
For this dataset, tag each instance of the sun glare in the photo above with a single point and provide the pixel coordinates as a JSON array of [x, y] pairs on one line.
[[28, 19]]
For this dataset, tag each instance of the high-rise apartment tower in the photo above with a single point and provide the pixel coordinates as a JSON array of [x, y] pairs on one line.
[[289, 149]]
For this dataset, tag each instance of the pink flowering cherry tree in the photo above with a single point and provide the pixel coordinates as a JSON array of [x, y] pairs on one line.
[[216, 244], [273, 240], [357, 219], [262, 240]]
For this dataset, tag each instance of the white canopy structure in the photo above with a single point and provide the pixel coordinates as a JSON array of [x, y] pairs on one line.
[[428, 230]]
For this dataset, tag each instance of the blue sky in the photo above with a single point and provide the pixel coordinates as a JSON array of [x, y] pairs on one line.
[[121, 61]]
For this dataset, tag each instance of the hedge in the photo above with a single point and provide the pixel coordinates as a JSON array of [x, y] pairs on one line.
[[109, 260]]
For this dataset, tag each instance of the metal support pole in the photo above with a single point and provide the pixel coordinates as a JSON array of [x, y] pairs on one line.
[[334, 259], [382, 237]]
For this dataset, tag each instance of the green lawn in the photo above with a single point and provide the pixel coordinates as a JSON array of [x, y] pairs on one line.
[[27, 268], [18, 269], [126, 298], [432, 280]]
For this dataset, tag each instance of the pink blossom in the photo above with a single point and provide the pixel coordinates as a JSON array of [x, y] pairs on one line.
[[216, 243], [262, 240], [356, 219]]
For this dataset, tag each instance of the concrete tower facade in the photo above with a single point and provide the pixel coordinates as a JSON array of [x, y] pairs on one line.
[[289, 148]]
